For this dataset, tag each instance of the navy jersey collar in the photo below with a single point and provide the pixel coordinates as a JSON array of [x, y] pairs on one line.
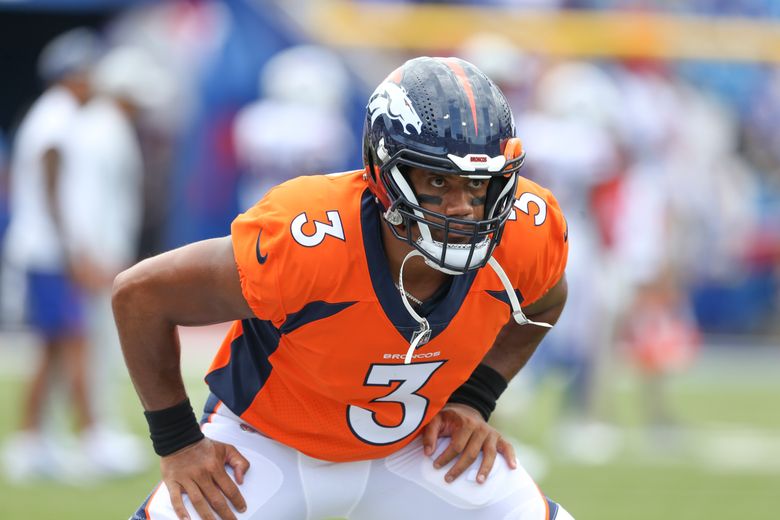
[[389, 298]]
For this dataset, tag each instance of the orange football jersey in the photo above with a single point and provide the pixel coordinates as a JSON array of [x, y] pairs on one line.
[[321, 367]]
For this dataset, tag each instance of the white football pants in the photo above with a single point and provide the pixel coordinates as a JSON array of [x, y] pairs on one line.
[[284, 484]]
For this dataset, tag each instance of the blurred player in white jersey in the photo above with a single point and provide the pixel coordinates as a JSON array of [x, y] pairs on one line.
[[35, 245], [103, 178], [308, 83]]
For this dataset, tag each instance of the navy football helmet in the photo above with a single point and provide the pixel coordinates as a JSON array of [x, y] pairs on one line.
[[445, 116]]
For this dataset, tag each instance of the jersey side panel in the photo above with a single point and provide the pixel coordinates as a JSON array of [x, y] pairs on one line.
[[222, 358]]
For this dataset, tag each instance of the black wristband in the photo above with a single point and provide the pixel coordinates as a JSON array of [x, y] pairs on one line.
[[481, 390], [174, 428]]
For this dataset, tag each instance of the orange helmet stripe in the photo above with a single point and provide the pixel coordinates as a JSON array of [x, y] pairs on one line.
[[396, 76], [456, 67]]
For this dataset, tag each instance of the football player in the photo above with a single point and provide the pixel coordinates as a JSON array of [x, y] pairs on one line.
[[377, 316]]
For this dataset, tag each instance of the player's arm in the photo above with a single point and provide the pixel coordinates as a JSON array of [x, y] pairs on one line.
[[515, 344], [197, 284], [469, 431], [52, 160]]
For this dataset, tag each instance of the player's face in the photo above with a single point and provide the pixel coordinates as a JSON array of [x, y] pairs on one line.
[[79, 84], [450, 195]]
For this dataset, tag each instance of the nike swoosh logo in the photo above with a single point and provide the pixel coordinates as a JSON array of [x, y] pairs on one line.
[[261, 258]]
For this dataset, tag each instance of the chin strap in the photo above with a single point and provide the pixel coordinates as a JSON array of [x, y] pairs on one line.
[[423, 334], [517, 312]]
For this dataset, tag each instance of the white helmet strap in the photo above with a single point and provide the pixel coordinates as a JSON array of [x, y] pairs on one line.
[[422, 335]]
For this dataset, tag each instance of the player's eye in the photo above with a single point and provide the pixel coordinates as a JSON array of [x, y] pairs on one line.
[[438, 182], [476, 184]]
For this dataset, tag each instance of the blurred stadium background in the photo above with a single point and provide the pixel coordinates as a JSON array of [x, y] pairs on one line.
[[657, 124]]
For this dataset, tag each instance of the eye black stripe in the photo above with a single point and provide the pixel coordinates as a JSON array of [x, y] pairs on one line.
[[429, 199]]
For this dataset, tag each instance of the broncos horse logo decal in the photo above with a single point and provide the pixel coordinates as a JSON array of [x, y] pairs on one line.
[[391, 100]]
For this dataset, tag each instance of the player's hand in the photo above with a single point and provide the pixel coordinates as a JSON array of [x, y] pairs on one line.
[[469, 435], [199, 471]]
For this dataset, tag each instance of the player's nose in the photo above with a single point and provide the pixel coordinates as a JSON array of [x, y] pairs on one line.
[[459, 203]]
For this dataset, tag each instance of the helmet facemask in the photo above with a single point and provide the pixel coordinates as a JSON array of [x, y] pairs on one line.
[[449, 244]]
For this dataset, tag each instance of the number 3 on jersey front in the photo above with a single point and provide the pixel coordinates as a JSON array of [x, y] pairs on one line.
[[412, 378]]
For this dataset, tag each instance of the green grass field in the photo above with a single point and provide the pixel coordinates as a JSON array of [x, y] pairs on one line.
[[722, 462]]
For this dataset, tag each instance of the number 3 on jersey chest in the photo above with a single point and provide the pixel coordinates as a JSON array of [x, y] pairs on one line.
[[411, 378]]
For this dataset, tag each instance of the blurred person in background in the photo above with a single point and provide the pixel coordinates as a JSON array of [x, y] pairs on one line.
[[303, 83], [187, 40], [571, 128], [621, 182], [214, 50], [35, 245], [603, 138], [331, 281], [103, 178], [690, 207]]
